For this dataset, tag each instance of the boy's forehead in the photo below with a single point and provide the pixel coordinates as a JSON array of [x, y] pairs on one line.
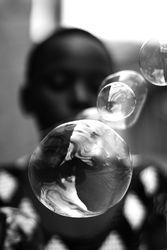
[[75, 42], [75, 52]]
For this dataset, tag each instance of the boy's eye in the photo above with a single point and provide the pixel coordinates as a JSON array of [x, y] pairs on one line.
[[58, 81]]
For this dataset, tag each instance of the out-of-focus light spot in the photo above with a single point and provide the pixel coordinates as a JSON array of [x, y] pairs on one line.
[[149, 180], [27, 224], [113, 242], [134, 211], [8, 186], [43, 19], [55, 244], [27, 208]]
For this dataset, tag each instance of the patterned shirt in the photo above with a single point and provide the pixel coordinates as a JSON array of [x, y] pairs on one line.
[[138, 221]]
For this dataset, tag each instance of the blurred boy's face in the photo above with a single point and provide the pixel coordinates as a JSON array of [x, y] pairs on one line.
[[70, 72]]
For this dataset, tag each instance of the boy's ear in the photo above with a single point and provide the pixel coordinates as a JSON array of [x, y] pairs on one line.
[[26, 99]]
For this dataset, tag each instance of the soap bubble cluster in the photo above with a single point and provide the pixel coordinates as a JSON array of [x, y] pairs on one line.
[[82, 168]]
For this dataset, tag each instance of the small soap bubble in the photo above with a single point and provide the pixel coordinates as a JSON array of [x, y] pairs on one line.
[[80, 169], [137, 85], [116, 101], [153, 61]]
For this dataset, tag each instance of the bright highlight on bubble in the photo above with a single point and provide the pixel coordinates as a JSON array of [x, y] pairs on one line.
[[153, 61], [80, 169], [116, 101]]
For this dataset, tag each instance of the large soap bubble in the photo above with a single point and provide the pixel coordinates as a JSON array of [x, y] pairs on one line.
[[153, 61], [80, 169]]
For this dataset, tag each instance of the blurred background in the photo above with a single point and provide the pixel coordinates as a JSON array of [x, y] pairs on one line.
[[122, 25]]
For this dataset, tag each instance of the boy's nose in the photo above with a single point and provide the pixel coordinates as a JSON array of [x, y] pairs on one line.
[[82, 93]]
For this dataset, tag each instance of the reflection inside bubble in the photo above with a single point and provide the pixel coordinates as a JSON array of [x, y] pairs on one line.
[[116, 101], [153, 61], [80, 169]]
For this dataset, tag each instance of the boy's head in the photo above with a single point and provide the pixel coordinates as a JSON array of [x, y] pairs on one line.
[[63, 76]]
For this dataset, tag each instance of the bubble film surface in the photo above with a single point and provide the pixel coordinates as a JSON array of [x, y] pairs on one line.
[[80, 169], [153, 61]]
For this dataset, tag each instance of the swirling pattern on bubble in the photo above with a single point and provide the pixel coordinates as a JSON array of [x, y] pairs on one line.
[[153, 61], [80, 169]]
